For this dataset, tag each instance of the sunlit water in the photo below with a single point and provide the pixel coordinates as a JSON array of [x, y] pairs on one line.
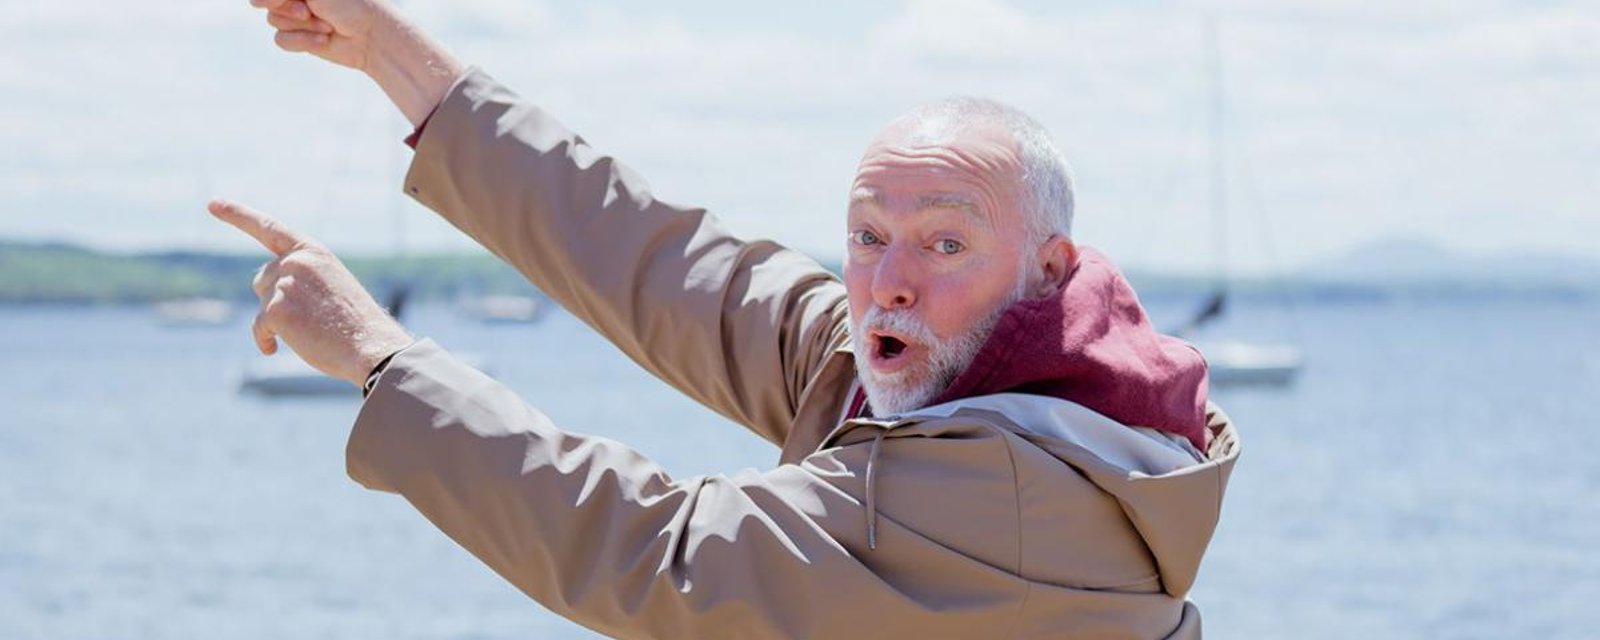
[[1433, 474]]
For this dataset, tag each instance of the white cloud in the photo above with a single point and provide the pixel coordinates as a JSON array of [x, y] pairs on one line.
[[1357, 119], [484, 19], [963, 30]]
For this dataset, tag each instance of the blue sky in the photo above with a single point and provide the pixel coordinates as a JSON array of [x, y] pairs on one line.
[[1472, 124]]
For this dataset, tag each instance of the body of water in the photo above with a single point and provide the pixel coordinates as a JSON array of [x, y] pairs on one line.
[[1429, 476]]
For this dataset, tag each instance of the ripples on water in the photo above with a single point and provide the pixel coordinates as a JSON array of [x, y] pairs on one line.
[[1432, 475]]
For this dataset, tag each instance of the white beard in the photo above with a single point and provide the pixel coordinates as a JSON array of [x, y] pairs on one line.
[[914, 386]]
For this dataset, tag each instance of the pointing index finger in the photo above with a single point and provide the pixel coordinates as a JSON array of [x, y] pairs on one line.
[[274, 235]]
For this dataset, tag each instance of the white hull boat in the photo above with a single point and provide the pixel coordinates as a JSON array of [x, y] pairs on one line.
[[290, 377], [1234, 364], [503, 309], [194, 312]]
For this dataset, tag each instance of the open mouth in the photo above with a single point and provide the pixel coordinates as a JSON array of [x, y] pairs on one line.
[[889, 351], [890, 346]]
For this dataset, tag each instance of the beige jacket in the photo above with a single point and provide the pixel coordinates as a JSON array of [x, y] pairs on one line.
[[1001, 516]]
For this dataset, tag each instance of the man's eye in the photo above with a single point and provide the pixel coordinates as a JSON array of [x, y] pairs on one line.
[[864, 237], [948, 247]]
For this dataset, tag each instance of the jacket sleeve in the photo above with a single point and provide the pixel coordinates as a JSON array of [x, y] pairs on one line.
[[600, 534], [739, 326]]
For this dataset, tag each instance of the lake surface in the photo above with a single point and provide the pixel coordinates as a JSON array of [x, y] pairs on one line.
[[1433, 474]]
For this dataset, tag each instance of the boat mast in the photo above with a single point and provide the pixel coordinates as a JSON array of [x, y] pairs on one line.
[[1219, 181]]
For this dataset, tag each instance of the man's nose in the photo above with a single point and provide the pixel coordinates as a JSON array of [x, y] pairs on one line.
[[892, 283]]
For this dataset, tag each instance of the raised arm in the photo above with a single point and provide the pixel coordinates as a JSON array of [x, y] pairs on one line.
[[740, 326]]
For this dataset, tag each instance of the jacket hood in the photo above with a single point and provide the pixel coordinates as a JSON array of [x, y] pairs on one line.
[[1135, 400], [1091, 343], [1170, 493]]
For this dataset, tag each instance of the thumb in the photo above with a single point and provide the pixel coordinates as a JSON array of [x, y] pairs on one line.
[[266, 341]]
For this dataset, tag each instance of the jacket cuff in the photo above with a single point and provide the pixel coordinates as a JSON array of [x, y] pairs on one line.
[[450, 119], [416, 134], [388, 440]]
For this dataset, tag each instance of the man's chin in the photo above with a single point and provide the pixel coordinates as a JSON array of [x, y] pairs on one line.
[[889, 398]]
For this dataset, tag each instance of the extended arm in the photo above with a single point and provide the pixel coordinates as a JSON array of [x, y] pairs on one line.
[[740, 326], [602, 535]]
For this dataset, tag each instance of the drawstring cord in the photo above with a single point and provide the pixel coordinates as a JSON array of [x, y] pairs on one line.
[[872, 502]]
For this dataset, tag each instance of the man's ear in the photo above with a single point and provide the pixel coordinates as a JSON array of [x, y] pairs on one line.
[[1057, 258]]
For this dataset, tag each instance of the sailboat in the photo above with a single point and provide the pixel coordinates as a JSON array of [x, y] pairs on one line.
[[1233, 361]]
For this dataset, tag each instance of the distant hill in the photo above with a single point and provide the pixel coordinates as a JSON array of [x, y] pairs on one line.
[[64, 273], [1414, 264]]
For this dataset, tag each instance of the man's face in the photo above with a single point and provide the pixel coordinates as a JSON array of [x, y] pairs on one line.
[[935, 255]]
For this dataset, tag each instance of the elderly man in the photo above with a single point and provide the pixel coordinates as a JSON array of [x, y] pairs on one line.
[[981, 434]]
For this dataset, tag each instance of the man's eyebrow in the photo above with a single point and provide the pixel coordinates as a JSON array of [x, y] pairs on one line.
[[947, 201], [866, 196]]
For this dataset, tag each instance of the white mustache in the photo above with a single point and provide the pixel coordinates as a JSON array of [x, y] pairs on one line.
[[900, 322]]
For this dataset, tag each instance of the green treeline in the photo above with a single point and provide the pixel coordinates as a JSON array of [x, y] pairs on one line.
[[66, 274]]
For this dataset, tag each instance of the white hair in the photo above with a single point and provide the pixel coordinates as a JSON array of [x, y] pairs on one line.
[[1046, 176]]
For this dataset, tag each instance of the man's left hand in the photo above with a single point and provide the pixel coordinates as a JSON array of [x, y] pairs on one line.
[[311, 301]]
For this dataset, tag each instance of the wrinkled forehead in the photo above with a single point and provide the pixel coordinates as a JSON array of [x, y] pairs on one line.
[[919, 159], [986, 142]]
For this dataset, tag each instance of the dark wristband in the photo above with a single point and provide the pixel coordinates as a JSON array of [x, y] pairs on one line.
[[377, 370]]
